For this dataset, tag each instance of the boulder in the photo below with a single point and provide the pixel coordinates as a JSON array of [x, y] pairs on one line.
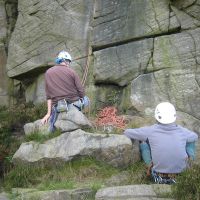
[[75, 194], [72, 120], [36, 127], [136, 192], [116, 150], [66, 121]]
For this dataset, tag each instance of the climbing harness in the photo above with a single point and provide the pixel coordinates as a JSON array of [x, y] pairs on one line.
[[162, 178], [63, 105], [81, 103]]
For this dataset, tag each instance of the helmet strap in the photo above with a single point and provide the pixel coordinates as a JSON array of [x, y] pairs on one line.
[[67, 62]]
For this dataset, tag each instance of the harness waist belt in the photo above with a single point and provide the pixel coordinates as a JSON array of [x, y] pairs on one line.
[[167, 175]]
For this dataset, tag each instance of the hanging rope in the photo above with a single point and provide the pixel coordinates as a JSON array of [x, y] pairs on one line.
[[85, 77], [86, 68]]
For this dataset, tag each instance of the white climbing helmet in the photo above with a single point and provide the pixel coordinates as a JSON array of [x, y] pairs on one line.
[[165, 113], [62, 56]]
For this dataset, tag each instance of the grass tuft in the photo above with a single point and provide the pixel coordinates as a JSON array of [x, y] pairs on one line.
[[188, 184], [41, 138], [77, 173]]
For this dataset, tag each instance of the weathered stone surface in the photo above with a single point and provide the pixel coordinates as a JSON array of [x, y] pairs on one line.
[[11, 16], [42, 29], [120, 64], [75, 116], [75, 194], [35, 92], [4, 196], [173, 76], [191, 7], [35, 127], [197, 158], [186, 21], [4, 97], [45, 27], [117, 21], [65, 125], [3, 22], [70, 121], [129, 192], [115, 150], [134, 192], [183, 3], [3, 57]]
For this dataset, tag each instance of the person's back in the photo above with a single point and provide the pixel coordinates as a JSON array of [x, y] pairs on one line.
[[167, 141], [63, 82], [64, 90]]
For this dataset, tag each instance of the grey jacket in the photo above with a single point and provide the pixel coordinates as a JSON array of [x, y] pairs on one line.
[[167, 144]]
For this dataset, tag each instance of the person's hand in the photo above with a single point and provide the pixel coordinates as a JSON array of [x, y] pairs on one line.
[[45, 119]]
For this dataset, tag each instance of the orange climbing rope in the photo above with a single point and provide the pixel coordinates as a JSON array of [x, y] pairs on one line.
[[108, 116]]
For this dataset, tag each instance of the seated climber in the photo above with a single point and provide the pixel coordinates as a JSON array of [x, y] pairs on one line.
[[63, 89], [165, 146]]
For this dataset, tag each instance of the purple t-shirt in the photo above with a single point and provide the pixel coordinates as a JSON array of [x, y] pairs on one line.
[[168, 145], [63, 82]]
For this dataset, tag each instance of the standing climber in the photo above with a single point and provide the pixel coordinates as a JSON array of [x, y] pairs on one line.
[[63, 89], [168, 152]]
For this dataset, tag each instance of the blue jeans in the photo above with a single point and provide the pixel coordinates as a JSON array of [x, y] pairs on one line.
[[80, 105], [52, 120], [146, 151]]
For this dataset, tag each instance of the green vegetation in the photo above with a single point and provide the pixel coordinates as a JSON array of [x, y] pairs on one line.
[[138, 174], [188, 184], [11, 128], [82, 172], [77, 173], [41, 138]]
